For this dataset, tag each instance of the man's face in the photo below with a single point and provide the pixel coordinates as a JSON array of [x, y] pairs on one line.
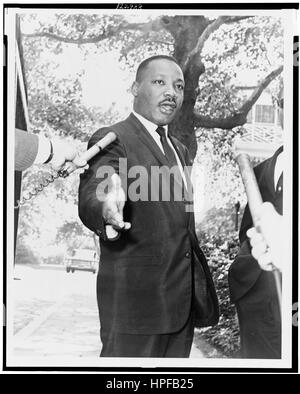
[[158, 96]]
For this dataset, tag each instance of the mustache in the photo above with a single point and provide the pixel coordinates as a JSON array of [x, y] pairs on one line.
[[170, 101]]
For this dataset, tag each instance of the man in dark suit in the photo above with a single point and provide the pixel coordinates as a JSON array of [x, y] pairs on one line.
[[253, 289], [154, 284], [251, 283]]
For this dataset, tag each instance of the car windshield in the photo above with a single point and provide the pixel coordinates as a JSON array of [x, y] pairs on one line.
[[83, 254]]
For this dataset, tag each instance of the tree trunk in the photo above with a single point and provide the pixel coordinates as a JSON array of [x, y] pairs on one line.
[[186, 31], [183, 127]]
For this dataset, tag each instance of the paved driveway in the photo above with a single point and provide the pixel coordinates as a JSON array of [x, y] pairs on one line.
[[55, 315]]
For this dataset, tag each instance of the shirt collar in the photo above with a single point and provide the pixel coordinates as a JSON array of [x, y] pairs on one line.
[[151, 127]]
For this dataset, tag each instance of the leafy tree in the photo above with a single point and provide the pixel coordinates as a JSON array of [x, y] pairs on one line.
[[207, 49], [25, 255]]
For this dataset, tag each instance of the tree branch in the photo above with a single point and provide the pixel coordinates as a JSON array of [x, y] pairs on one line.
[[233, 19], [51, 36], [160, 42], [228, 123], [204, 36], [212, 27], [239, 118], [260, 88], [143, 27]]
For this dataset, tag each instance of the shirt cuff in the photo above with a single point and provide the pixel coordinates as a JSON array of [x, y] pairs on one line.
[[44, 150]]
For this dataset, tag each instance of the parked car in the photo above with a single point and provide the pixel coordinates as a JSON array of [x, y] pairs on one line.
[[82, 260]]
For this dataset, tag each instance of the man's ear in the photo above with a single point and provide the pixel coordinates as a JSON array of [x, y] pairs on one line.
[[135, 88]]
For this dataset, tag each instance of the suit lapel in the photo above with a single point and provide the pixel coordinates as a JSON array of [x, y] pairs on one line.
[[179, 153], [146, 139], [188, 188]]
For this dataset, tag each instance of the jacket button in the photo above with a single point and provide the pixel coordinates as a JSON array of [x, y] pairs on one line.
[[187, 254]]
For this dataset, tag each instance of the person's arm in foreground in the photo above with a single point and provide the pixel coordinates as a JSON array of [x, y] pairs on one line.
[[34, 149]]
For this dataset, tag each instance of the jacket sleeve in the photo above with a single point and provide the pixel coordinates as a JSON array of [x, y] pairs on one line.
[[243, 272], [92, 188], [247, 218], [26, 149]]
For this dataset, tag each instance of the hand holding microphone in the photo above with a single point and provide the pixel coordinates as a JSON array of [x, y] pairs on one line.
[[64, 153], [266, 238], [81, 160]]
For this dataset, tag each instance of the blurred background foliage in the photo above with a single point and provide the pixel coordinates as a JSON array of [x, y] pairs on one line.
[[56, 49]]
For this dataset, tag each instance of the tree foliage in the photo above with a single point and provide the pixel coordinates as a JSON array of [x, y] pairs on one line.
[[213, 50]]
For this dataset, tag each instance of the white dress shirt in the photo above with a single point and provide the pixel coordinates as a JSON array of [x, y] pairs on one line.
[[278, 169], [151, 128]]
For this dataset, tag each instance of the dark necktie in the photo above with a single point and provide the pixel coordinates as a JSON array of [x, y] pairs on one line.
[[169, 153]]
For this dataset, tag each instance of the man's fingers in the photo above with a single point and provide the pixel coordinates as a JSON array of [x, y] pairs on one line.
[[265, 262], [113, 234], [258, 250], [68, 151], [118, 222], [115, 219], [259, 242], [127, 226], [254, 235], [122, 226], [115, 198], [115, 182], [81, 170], [57, 162], [79, 162], [250, 233], [64, 152], [113, 207]]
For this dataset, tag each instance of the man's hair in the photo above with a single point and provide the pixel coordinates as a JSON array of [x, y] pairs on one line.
[[145, 63]]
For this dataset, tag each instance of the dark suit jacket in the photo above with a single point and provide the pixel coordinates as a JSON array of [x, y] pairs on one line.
[[145, 282], [245, 272]]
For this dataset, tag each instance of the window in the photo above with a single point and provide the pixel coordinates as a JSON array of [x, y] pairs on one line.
[[264, 114]]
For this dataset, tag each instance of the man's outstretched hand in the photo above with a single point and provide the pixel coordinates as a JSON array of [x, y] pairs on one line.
[[113, 206]]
